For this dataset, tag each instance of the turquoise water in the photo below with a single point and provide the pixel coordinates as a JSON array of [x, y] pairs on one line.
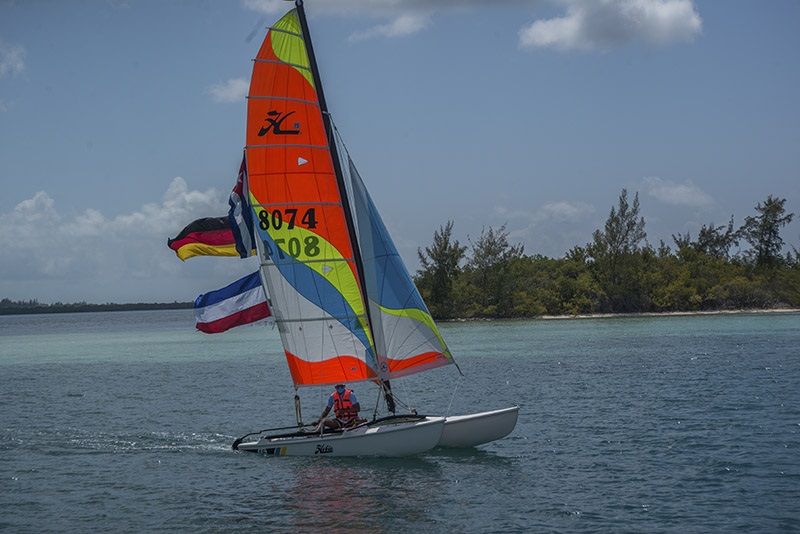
[[123, 421]]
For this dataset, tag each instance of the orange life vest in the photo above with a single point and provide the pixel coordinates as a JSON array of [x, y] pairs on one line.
[[342, 407]]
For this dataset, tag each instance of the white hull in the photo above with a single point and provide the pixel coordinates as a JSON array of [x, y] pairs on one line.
[[477, 428], [383, 438]]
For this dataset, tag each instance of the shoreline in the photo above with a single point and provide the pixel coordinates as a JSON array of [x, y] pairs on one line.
[[180, 306], [752, 311], [749, 311]]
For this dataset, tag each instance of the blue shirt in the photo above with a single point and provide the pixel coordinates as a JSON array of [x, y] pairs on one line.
[[353, 399]]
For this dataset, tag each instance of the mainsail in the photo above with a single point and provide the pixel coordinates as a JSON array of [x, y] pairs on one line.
[[346, 308]]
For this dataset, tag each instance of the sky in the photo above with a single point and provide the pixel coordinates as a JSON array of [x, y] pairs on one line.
[[123, 121]]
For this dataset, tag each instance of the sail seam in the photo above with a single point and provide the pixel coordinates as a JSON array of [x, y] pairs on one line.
[[317, 319], [287, 32], [280, 145], [278, 62], [283, 99], [309, 203], [305, 262]]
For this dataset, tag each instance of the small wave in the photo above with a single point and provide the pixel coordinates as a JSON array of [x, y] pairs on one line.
[[75, 440]]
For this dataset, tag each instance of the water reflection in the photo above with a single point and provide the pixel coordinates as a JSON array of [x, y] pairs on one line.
[[473, 456], [375, 495]]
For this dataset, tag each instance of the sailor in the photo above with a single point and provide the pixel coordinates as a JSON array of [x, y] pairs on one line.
[[345, 406]]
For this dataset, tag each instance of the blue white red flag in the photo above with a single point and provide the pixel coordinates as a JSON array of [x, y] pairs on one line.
[[240, 214], [239, 303]]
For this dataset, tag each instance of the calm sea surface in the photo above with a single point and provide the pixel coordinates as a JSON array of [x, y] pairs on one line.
[[123, 422]]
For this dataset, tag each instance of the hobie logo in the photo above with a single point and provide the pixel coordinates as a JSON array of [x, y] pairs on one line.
[[275, 120], [323, 449]]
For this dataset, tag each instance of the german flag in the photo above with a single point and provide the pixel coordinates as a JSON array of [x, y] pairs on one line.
[[209, 236]]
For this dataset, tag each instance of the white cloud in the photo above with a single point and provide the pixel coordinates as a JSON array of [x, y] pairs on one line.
[[669, 192], [234, 90], [12, 60], [557, 211], [406, 16], [564, 211], [403, 25], [586, 24], [35, 208], [378, 7], [552, 230], [90, 256], [604, 24], [12, 63], [266, 6]]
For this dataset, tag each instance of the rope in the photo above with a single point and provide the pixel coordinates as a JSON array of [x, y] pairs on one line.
[[455, 389]]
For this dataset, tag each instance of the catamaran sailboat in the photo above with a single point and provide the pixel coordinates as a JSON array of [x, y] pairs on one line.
[[344, 304]]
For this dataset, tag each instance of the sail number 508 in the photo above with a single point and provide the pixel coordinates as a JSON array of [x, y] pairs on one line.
[[308, 247]]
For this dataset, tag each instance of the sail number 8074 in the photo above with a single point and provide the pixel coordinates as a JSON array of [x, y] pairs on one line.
[[278, 218]]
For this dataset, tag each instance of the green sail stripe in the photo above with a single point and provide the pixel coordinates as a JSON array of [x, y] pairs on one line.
[[288, 45]]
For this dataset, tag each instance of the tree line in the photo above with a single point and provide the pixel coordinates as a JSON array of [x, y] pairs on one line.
[[617, 272]]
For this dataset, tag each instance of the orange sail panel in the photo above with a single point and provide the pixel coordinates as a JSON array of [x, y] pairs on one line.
[[304, 245]]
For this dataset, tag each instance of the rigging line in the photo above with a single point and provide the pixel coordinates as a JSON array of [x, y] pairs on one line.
[[377, 403], [257, 27], [455, 389], [403, 403], [268, 430]]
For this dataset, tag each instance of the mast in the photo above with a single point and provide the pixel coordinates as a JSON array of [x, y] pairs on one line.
[[337, 167]]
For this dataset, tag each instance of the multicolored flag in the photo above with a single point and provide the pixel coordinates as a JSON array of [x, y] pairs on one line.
[[240, 214], [239, 303], [209, 236]]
